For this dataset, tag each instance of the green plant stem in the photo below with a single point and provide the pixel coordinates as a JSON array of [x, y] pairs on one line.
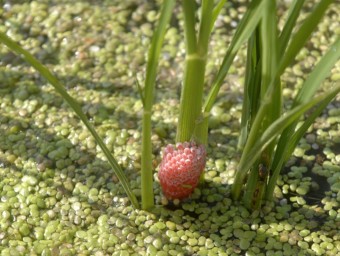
[[189, 9], [269, 62], [243, 32], [295, 138], [252, 87], [194, 74], [146, 171], [76, 108], [191, 97], [148, 97]]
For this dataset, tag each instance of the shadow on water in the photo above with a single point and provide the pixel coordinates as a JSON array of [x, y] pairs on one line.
[[39, 146]]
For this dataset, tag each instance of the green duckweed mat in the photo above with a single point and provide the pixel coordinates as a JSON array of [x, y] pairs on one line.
[[58, 195]]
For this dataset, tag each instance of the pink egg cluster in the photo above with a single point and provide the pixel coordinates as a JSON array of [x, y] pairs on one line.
[[181, 168]]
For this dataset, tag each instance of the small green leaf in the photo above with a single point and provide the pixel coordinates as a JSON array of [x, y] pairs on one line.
[[140, 91]]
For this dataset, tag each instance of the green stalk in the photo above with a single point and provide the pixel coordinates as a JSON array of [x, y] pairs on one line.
[[191, 97], [269, 52], [289, 138], [256, 186], [252, 87], [148, 97], [189, 9], [195, 62], [76, 108], [243, 32]]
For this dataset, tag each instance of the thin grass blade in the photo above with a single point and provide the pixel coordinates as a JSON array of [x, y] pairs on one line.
[[301, 131], [279, 125], [269, 60], [244, 30], [293, 141], [308, 89], [304, 32], [76, 108], [248, 86], [269, 55], [216, 12], [289, 25], [151, 71], [268, 99], [289, 137], [270, 90], [247, 160], [140, 91], [320, 72]]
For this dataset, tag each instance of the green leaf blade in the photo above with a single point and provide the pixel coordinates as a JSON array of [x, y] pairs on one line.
[[289, 25], [77, 109], [275, 129], [244, 30], [217, 11], [304, 32], [320, 72], [149, 87]]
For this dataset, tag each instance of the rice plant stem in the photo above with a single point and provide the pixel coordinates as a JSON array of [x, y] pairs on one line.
[[269, 54], [294, 139], [252, 86], [191, 98], [189, 8], [151, 70], [194, 73]]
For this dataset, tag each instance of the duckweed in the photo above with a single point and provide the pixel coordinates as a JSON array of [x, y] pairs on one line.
[[59, 197]]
